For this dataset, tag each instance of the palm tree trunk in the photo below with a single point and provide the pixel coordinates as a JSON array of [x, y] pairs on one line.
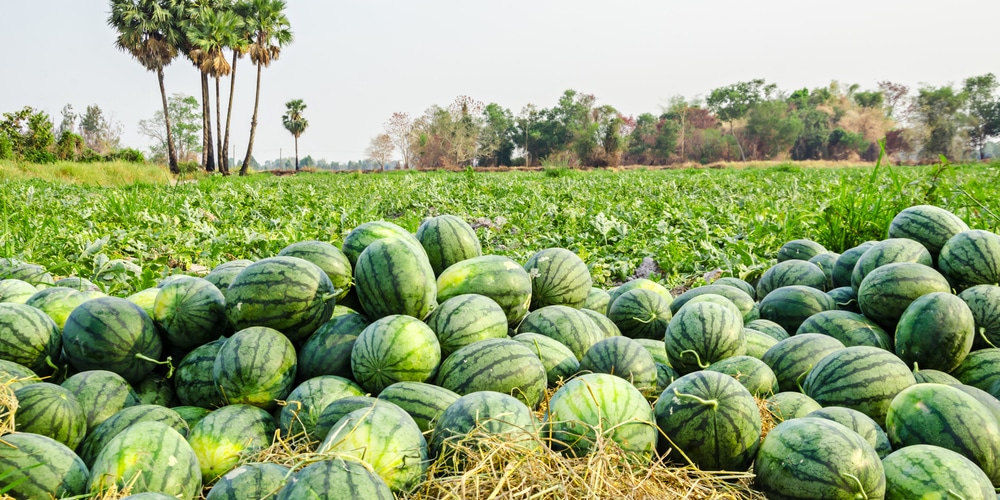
[[253, 127], [210, 146], [229, 113], [171, 153], [296, 153], [223, 157]]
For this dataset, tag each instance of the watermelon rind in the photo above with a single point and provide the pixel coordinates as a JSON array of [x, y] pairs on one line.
[[936, 331], [558, 277], [30, 337], [857, 422], [495, 276], [306, 402], [329, 258], [926, 471], [148, 457], [50, 410], [393, 277], [500, 365], [224, 436], [336, 478], [424, 402], [260, 480], [395, 348], [36, 466], [245, 375]]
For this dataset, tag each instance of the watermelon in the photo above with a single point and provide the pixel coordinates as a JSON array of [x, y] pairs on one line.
[[790, 306], [843, 269], [801, 249], [34, 274], [640, 314], [363, 235], [788, 273], [338, 477], [494, 276], [849, 328], [559, 362], [739, 298], [769, 328], [194, 381], [289, 294], [643, 283], [933, 376], [328, 350], [846, 298], [386, 438], [569, 326], [936, 331], [862, 378], [665, 375], [250, 481], [717, 299], [36, 466], [790, 405], [598, 404], [393, 277], [191, 414], [16, 291], [826, 262], [307, 401], [145, 299], [30, 337], [812, 458], [113, 334], [223, 274], [57, 302], [711, 420], [758, 343], [558, 277], [888, 252], [338, 409], [927, 471], [988, 400], [226, 435], [623, 357], [984, 302], [100, 394], [424, 402], [971, 258], [191, 312], [16, 376], [447, 240], [500, 365], [79, 284], [980, 369], [944, 416], [857, 422], [597, 300], [751, 372], [99, 438], [604, 323], [394, 349], [255, 366], [51, 411], [484, 415], [465, 319], [656, 348], [701, 334], [743, 286], [888, 290], [329, 258], [148, 456], [931, 226]]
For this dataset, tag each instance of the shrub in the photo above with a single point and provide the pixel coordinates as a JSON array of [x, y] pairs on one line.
[[39, 156], [188, 167], [130, 155], [6, 147]]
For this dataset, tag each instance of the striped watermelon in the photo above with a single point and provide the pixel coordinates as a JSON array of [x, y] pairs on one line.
[[100, 394], [933, 376], [789, 306], [51, 411], [790, 405], [289, 294], [465, 319], [788, 273], [665, 375], [826, 262], [79, 284], [604, 323], [936, 331], [191, 414], [194, 380], [110, 333], [307, 401], [394, 349], [57, 302], [643, 283], [717, 299], [927, 471], [801, 249], [569, 326], [148, 456], [984, 302], [392, 276], [36, 466], [888, 252], [500, 365], [558, 277], [223, 274], [338, 477], [559, 362], [739, 298], [329, 258], [857, 422], [701, 334], [328, 350], [386, 438], [338, 409], [191, 312], [447, 240], [843, 269], [256, 366], [849, 328], [16, 291], [31, 273], [711, 419], [888, 290], [743, 286], [931, 226], [115, 424], [846, 298], [250, 481], [424, 402], [758, 343], [600, 404], [480, 415], [989, 401], [224, 436], [494, 276], [971, 258], [363, 235], [750, 372], [640, 314], [980, 369], [769, 328], [812, 458], [156, 390], [656, 348], [145, 299], [597, 300], [16, 376], [862, 378], [30, 337], [944, 416], [625, 358]]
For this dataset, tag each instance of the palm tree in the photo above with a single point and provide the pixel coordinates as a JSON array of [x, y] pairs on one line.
[[188, 15], [146, 31], [270, 32], [295, 123], [238, 43]]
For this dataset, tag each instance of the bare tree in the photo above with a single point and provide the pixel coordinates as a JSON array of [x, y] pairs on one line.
[[380, 150], [398, 129]]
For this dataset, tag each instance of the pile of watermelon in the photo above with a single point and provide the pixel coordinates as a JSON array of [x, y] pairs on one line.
[[395, 350]]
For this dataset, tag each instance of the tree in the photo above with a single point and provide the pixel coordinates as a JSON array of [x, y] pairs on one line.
[[239, 43], [894, 97], [146, 31], [498, 135], [937, 110], [99, 133], [68, 123], [380, 150], [983, 109], [399, 128], [772, 129], [186, 123], [270, 32], [295, 123], [733, 102]]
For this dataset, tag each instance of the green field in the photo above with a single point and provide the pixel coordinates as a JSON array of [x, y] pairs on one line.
[[688, 221]]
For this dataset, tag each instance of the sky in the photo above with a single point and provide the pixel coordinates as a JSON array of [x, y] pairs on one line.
[[354, 63]]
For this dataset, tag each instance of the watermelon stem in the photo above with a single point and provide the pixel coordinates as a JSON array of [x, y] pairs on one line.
[[982, 333], [861, 487], [651, 319], [55, 367], [697, 358], [800, 378], [714, 403], [168, 362]]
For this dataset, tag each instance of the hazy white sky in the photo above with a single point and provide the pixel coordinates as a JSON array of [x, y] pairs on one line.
[[355, 63]]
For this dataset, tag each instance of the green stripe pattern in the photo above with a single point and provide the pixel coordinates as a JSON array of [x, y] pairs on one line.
[[622, 357], [104, 433], [250, 481], [790, 405], [328, 350], [801, 249], [559, 362], [494, 276], [363, 235], [597, 300], [256, 366], [57, 302], [481, 414], [306, 402], [889, 251], [465, 319], [702, 333], [744, 302], [565, 324], [224, 274], [980, 369], [424, 402], [447, 240], [29, 337], [190, 312], [931, 226], [335, 478], [750, 372], [329, 258], [101, 394], [500, 365], [971, 258], [16, 291], [843, 269], [604, 323], [194, 378], [922, 470], [849, 328], [37, 466], [790, 306], [52, 411], [793, 358], [857, 422], [862, 378], [109, 333], [558, 277], [224, 436], [888, 290], [984, 302], [337, 410], [392, 276], [936, 331], [155, 455], [788, 273], [640, 313], [394, 349]]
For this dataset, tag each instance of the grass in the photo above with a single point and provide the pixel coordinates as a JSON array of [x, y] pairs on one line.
[[105, 174]]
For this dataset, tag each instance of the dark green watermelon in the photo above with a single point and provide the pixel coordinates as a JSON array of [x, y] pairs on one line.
[[559, 362], [484, 414], [307, 401], [99, 438], [194, 381], [791, 272], [933, 376], [36, 466], [256, 366], [984, 302], [640, 314], [739, 298], [936, 331], [597, 300], [110, 333], [338, 409], [328, 350], [801, 249], [191, 312], [928, 225], [888, 290], [971, 258], [57, 302], [862, 378], [743, 286], [329, 258], [30, 337], [846, 298], [847, 327], [702, 333], [769, 328], [392, 276], [565, 324], [363, 235], [924, 471], [622, 357], [790, 405], [558, 277], [447, 240], [101, 394], [465, 319], [889, 251], [844, 267], [789, 306], [980, 369], [223, 274], [750, 372], [335, 478], [424, 402], [52, 411], [500, 365], [857, 422], [394, 349]]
